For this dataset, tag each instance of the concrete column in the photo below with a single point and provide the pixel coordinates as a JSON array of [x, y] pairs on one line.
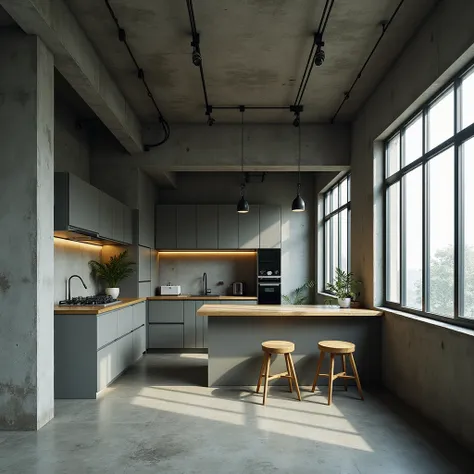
[[26, 232]]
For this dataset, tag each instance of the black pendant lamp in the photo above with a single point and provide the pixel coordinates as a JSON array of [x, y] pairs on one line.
[[243, 205], [298, 203]]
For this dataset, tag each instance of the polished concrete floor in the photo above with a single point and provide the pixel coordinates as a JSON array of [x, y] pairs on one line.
[[155, 419]]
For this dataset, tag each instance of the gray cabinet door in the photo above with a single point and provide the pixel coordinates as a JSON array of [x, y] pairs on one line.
[[165, 312], [139, 315], [186, 227], [139, 343], [189, 324], [270, 227], [228, 228], [249, 229], [107, 328], [127, 225], [125, 355], [207, 219], [201, 325], [166, 227], [144, 264], [125, 320], [118, 221], [83, 204], [144, 289], [106, 223], [165, 336], [107, 368]]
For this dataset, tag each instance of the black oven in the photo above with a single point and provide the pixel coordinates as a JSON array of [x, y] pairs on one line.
[[269, 262], [269, 291]]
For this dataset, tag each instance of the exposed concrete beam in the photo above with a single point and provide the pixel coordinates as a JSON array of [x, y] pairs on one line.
[[324, 147], [78, 62]]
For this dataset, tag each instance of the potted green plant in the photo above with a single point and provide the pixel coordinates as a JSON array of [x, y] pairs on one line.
[[299, 295], [113, 272], [344, 287]]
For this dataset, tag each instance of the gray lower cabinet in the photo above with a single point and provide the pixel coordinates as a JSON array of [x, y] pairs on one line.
[[165, 336], [92, 350], [175, 324]]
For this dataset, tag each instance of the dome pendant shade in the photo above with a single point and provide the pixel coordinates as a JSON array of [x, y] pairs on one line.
[[298, 203], [243, 206]]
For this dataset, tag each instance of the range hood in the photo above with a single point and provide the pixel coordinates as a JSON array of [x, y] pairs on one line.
[[83, 236]]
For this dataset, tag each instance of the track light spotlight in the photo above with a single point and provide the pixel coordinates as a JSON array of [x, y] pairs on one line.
[[196, 57], [296, 121], [319, 56], [211, 121]]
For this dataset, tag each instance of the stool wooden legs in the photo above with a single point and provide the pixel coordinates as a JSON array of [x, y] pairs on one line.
[[318, 369], [290, 374], [344, 369], [288, 369], [331, 379], [356, 375], [331, 376]]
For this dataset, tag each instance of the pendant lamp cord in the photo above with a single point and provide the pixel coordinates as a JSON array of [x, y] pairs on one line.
[[299, 159], [242, 110]]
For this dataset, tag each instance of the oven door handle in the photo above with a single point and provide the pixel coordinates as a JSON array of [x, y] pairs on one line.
[[269, 284]]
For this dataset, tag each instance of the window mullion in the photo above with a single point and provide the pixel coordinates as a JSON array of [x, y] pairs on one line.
[[426, 227]]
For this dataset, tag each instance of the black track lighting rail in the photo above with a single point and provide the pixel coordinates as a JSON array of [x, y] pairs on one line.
[[316, 55], [385, 27], [122, 36], [197, 58], [254, 107]]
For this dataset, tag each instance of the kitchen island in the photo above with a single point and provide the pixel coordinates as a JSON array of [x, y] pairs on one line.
[[235, 335]]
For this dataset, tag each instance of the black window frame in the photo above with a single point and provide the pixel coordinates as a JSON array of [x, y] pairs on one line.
[[328, 253], [455, 142]]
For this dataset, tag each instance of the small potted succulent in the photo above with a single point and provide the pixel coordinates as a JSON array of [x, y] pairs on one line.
[[344, 288], [113, 272]]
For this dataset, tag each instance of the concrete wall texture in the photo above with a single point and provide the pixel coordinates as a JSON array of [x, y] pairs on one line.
[[420, 360], [26, 255], [278, 189]]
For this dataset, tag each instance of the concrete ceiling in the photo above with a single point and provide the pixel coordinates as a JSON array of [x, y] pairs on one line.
[[5, 18], [254, 53]]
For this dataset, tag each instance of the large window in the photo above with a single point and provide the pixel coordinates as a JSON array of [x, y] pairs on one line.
[[336, 222], [429, 206]]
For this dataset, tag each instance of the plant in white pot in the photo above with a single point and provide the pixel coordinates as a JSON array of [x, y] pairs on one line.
[[113, 272], [344, 288]]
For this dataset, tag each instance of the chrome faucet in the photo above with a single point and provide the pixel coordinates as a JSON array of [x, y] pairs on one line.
[[69, 285], [205, 291]]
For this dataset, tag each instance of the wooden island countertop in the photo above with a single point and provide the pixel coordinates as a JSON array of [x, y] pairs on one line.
[[284, 311]]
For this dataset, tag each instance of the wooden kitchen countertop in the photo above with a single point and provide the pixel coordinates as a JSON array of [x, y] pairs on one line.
[[201, 298], [284, 310], [65, 309]]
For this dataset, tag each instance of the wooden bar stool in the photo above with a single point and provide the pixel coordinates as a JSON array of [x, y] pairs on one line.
[[337, 348], [278, 347]]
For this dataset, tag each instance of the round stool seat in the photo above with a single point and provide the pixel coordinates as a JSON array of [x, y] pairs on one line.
[[278, 347], [336, 347]]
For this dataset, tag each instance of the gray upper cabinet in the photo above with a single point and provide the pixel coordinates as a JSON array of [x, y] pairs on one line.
[[118, 221], [166, 226], [186, 227], [270, 227], [207, 224], [228, 227], [144, 264], [249, 229], [127, 225], [106, 222]]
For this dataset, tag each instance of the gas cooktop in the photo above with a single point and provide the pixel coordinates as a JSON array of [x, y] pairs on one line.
[[100, 300]]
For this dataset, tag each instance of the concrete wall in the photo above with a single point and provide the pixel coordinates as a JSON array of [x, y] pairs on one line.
[[26, 240], [430, 368], [222, 271], [71, 144], [277, 189]]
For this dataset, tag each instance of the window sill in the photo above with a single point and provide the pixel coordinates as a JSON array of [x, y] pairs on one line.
[[431, 322], [326, 295]]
